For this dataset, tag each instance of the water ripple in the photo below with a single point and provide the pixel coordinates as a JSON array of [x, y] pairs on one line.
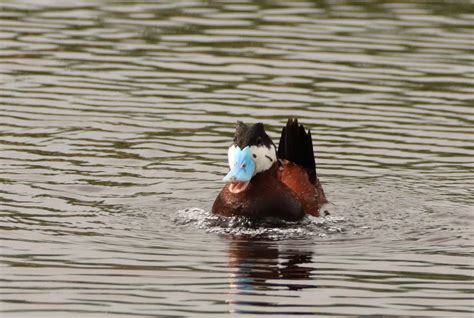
[[114, 124]]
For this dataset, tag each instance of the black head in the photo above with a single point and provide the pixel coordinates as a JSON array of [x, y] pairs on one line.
[[253, 135]]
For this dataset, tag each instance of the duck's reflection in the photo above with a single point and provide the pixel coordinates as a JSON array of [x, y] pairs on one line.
[[265, 265]]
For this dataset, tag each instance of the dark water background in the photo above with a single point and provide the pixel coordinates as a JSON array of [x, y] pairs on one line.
[[115, 118]]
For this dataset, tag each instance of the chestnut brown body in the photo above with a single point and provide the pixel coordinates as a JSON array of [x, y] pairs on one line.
[[284, 192], [297, 180]]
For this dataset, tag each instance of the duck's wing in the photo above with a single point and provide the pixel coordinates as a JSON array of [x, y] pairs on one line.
[[297, 146]]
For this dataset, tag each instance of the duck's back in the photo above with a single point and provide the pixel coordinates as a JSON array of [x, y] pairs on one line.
[[298, 167]]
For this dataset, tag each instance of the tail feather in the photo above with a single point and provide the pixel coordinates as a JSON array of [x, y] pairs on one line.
[[297, 146]]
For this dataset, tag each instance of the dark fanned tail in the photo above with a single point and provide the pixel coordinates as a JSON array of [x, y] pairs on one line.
[[297, 146]]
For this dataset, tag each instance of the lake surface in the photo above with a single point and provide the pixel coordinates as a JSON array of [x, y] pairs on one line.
[[115, 120]]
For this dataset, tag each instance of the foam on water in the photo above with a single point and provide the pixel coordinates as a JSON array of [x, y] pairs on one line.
[[272, 229]]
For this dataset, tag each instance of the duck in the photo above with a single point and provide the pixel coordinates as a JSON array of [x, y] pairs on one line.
[[269, 182]]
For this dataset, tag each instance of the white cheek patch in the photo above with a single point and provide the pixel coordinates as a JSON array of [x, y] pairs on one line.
[[231, 156], [263, 157]]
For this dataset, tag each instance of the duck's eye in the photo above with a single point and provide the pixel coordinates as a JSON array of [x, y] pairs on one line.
[[243, 165]]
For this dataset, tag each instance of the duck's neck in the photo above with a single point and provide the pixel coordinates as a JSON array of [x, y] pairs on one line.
[[269, 173]]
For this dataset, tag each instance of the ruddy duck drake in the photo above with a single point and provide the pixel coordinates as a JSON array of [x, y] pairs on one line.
[[263, 182]]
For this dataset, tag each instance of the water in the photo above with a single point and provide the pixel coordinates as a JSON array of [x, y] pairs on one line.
[[115, 121]]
